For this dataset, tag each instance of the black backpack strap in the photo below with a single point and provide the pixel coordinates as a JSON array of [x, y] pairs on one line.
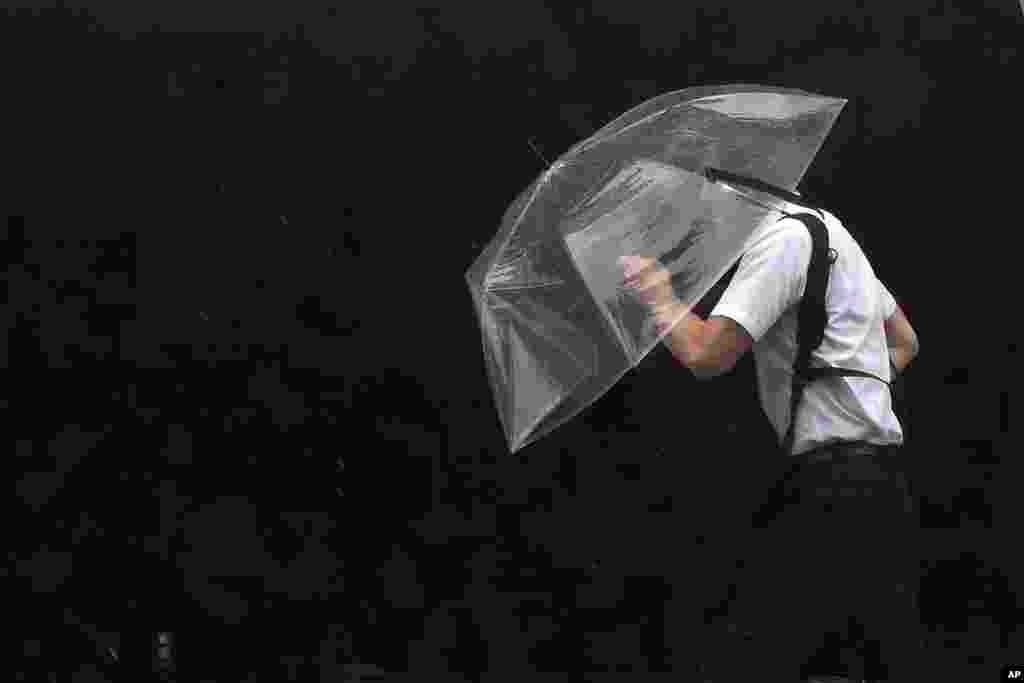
[[811, 320], [811, 317]]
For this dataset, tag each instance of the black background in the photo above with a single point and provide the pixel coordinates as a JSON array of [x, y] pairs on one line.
[[245, 388]]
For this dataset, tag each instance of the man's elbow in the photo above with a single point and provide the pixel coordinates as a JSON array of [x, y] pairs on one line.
[[913, 346]]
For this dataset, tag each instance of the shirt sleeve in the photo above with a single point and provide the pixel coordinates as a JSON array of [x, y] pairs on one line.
[[771, 278], [888, 300]]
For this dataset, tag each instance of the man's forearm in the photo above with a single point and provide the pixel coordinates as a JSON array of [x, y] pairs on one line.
[[686, 340]]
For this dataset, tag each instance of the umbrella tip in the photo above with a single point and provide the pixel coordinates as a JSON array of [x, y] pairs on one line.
[[537, 152]]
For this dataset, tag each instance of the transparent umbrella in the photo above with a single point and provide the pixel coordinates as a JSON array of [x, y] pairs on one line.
[[558, 327]]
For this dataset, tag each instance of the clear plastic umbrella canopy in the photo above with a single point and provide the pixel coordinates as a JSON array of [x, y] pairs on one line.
[[558, 327]]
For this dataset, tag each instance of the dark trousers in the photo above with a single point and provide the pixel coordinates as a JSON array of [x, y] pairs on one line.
[[832, 581]]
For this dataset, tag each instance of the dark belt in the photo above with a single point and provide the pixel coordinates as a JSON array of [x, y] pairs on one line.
[[845, 449]]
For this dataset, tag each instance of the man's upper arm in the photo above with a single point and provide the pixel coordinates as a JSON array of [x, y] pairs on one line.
[[769, 280]]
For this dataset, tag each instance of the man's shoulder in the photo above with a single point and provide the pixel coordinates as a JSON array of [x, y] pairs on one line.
[[795, 231], [788, 232]]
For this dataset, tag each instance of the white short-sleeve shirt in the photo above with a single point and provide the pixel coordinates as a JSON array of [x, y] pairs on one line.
[[763, 298]]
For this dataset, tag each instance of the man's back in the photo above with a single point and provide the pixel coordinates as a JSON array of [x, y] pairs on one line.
[[764, 296]]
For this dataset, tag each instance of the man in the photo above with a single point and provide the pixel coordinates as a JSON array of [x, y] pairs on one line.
[[839, 566]]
